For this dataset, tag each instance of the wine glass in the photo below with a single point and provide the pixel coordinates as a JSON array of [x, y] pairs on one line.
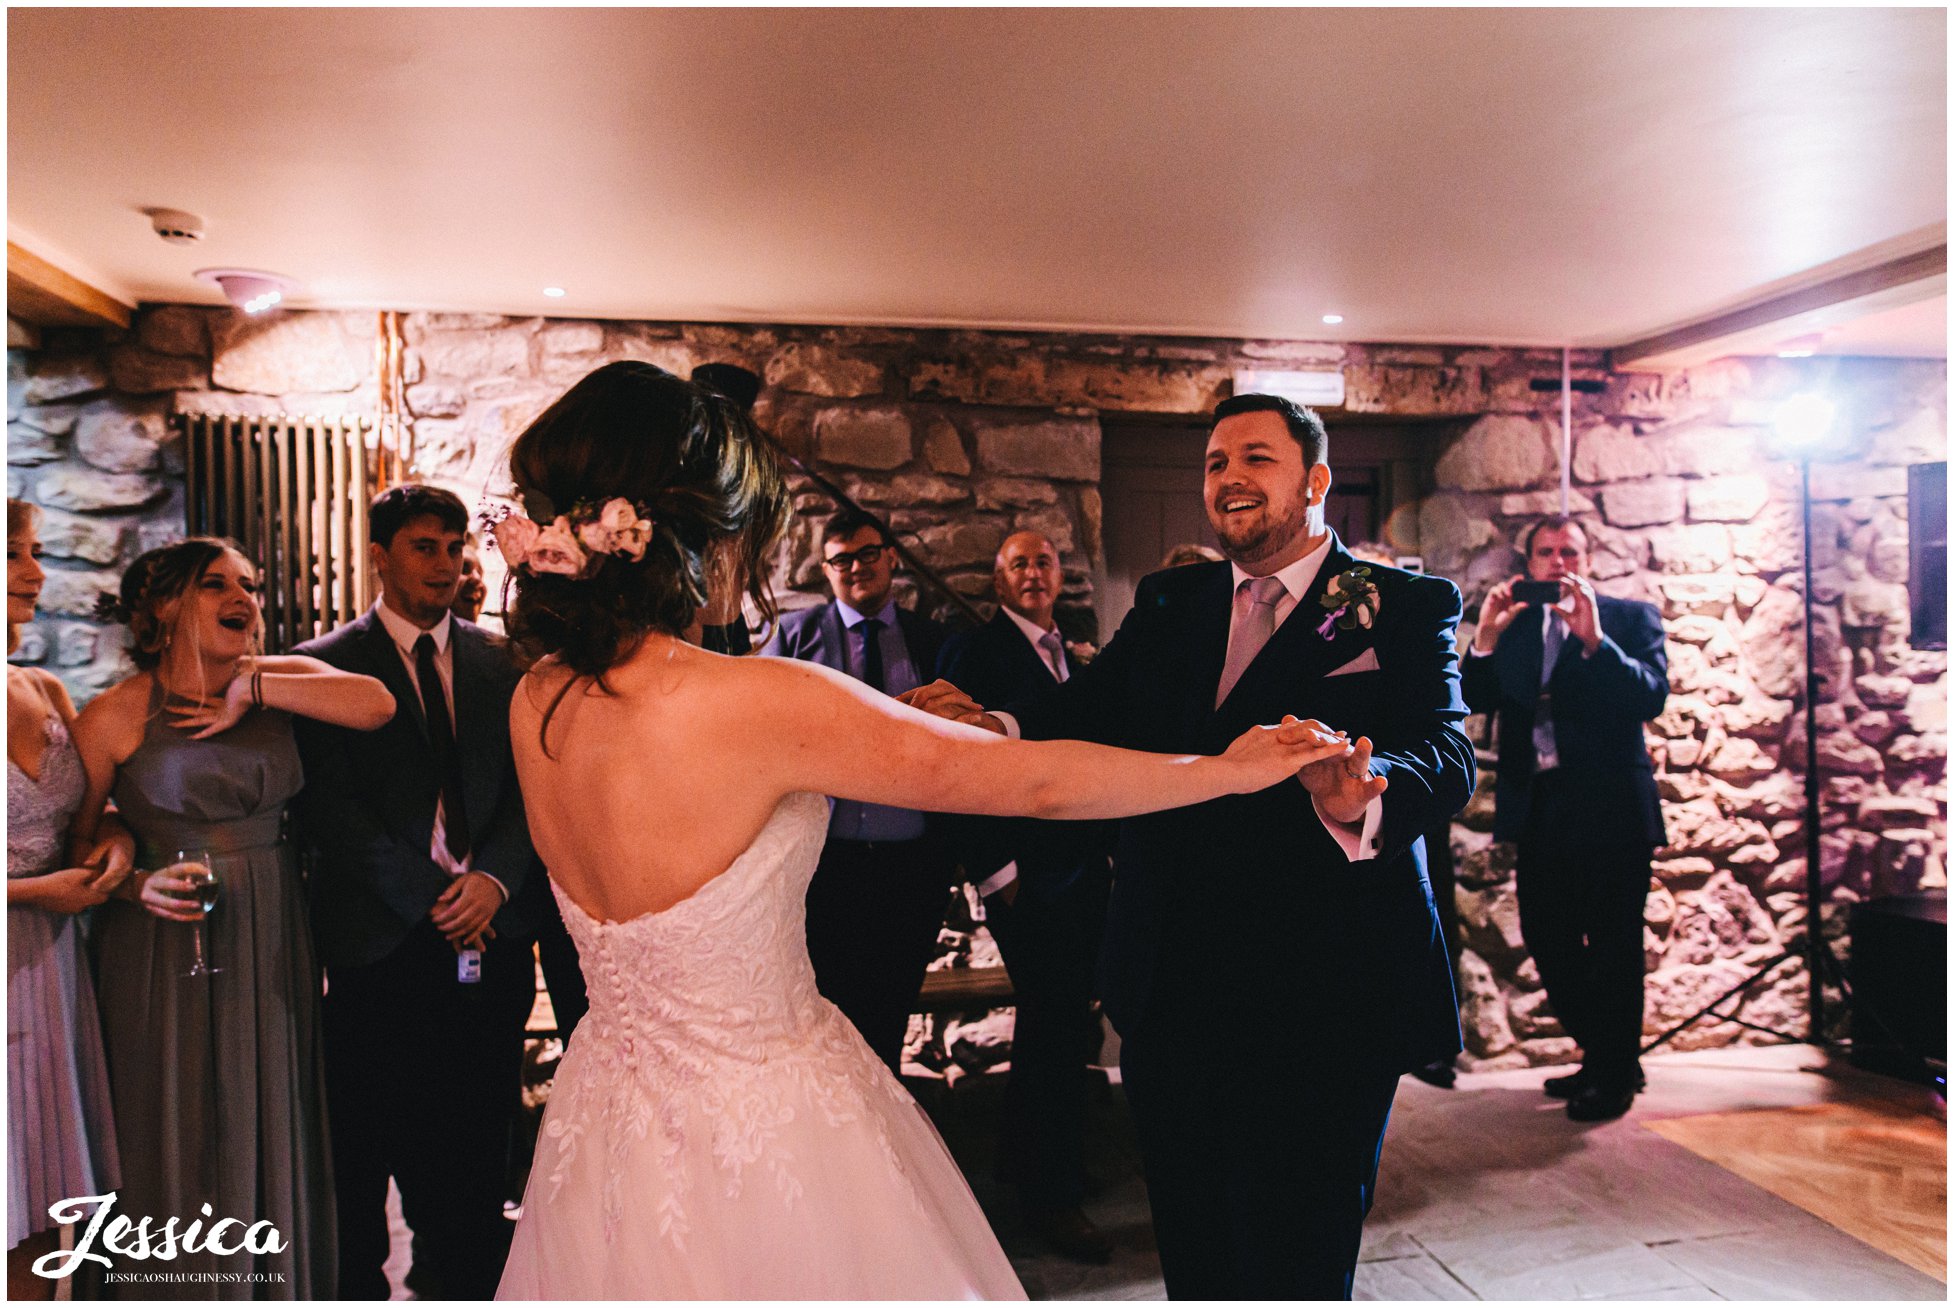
[[194, 866]]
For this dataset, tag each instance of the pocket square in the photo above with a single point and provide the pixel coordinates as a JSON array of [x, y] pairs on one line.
[[1365, 662]]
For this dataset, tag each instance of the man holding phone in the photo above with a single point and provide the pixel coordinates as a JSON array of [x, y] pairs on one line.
[[1572, 676]]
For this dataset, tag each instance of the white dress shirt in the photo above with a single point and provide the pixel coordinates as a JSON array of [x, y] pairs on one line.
[[405, 635]]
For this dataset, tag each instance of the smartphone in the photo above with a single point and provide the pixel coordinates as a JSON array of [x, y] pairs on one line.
[[1536, 592]]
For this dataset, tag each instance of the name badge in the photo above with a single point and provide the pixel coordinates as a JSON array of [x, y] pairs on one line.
[[468, 966]]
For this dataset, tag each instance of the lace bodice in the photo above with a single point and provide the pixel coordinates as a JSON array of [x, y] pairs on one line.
[[705, 1024], [38, 812]]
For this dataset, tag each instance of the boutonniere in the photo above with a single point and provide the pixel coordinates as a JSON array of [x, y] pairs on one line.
[[1351, 598]]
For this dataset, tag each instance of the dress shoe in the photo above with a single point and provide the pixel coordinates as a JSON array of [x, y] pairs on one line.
[[1601, 1103], [1565, 1087], [1441, 1074], [1071, 1233]]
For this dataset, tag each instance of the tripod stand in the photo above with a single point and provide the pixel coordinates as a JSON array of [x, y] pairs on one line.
[[1817, 952]]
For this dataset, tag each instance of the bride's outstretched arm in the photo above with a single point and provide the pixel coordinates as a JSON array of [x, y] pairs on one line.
[[828, 733]]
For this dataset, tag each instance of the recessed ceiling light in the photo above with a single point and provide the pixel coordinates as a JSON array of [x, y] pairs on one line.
[[1332, 318], [554, 292]]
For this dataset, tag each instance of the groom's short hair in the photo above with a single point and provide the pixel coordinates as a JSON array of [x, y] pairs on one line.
[[1303, 423]]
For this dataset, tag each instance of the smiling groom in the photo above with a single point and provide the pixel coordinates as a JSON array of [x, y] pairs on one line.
[[1273, 961]]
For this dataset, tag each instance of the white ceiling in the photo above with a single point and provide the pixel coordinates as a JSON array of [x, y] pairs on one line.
[[1520, 176]]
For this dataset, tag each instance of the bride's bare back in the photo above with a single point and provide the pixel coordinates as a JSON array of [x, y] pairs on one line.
[[650, 790]]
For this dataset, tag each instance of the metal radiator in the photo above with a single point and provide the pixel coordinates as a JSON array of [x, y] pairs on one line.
[[293, 491]]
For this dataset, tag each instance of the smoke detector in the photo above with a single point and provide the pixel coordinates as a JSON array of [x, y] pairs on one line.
[[249, 289], [176, 226]]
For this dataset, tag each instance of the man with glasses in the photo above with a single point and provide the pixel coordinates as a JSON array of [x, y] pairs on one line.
[[878, 896]]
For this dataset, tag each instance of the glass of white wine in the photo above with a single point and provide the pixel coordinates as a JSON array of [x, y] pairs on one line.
[[194, 866]]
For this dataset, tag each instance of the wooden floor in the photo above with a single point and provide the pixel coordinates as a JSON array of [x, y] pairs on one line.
[[1877, 1172], [1490, 1192]]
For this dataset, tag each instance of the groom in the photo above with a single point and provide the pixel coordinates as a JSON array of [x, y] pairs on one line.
[[1273, 961]]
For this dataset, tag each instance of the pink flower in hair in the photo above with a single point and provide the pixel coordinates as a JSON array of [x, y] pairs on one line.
[[556, 550], [514, 536], [628, 533]]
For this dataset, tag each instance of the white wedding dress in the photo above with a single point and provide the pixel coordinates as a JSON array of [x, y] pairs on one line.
[[717, 1130]]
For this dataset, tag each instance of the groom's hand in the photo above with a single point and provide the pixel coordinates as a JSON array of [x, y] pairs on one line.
[[944, 700], [1344, 787]]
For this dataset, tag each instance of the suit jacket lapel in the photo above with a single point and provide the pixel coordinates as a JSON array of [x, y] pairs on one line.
[[1296, 652], [1022, 652], [474, 719], [1210, 612], [385, 658], [835, 637]]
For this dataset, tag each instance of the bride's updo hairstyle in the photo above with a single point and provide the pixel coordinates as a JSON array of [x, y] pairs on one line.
[[711, 486]]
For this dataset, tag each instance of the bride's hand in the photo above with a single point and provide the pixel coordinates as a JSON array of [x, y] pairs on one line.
[[1264, 756]]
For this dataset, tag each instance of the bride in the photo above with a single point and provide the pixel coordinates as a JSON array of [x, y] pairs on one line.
[[717, 1130]]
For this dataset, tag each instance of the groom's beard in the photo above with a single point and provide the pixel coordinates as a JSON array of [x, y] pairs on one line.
[[1262, 537]]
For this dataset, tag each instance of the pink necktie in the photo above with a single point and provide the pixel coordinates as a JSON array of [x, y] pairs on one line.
[[1251, 633]]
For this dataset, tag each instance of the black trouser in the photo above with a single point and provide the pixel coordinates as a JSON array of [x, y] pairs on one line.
[[1261, 1163], [874, 909], [1582, 902], [423, 1079], [1050, 942]]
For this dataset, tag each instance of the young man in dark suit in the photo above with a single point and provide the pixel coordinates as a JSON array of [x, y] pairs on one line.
[[1044, 886], [878, 896], [1571, 683], [426, 899], [1273, 961]]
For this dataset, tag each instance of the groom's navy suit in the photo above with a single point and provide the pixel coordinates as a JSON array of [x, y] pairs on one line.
[[423, 1069], [1268, 989]]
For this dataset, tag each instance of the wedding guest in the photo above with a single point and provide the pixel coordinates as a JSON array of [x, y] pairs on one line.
[[879, 894], [60, 1129], [426, 903], [1571, 688], [1044, 886], [471, 592], [217, 1074]]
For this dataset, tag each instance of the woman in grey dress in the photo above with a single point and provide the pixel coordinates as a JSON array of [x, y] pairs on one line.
[[217, 1079], [60, 1139]]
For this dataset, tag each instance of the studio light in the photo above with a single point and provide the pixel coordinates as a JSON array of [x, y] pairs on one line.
[[554, 292], [1332, 318], [1803, 422], [248, 289]]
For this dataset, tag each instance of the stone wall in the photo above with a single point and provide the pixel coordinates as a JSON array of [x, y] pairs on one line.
[[961, 437]]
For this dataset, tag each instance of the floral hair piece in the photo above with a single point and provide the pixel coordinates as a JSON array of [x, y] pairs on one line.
[[567, 544]]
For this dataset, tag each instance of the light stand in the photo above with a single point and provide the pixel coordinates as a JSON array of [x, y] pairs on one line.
[[1806, 426]]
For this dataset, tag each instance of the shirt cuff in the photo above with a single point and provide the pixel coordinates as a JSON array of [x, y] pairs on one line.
[[997, 880], [1011, 728], [1358, 841]]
